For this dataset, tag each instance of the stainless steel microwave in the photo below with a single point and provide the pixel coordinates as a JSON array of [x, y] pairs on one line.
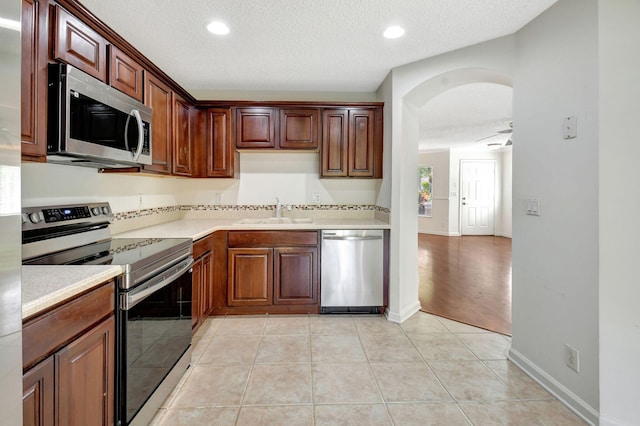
[[92, 124]]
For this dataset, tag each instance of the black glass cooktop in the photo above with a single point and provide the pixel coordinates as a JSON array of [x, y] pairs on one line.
[[132, 253]]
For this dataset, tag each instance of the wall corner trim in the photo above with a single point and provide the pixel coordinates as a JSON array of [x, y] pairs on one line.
[[404, 315], [557, 389]]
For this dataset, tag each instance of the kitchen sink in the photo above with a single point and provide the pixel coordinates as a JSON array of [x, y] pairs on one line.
[[275, 221]]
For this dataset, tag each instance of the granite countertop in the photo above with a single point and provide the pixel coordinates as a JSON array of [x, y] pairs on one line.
[[198, 228], [46, 286]]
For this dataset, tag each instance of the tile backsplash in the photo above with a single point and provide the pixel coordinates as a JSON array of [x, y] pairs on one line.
[[130, 220]]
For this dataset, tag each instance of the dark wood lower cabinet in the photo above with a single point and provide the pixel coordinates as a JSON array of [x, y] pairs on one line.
[[250, 276], [69, 361], [38, 395], [272, 272], [84, 378], [202, 290], [295, 275]]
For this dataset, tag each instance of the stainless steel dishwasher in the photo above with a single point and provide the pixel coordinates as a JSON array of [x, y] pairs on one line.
[[352, 271]]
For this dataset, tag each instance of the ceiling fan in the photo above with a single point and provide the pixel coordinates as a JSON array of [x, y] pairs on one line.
[[498, 145]]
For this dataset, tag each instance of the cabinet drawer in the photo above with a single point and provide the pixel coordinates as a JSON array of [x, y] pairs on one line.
[[44, 334], [273, 238]]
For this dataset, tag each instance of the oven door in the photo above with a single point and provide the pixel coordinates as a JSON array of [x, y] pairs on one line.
[[154, 337]]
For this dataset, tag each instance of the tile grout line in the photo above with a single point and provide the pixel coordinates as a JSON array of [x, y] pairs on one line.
[[426, 363]]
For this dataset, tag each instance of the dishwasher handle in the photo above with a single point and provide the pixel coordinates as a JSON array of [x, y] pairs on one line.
[[352, 238]]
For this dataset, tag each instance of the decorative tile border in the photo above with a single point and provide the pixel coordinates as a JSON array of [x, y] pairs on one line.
[[134, 214], [270, 207], [172, 212]]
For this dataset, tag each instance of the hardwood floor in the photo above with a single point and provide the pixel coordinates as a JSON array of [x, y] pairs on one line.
[[467, 279]]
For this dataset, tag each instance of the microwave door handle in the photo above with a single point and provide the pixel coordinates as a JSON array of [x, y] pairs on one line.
[[136, 114]]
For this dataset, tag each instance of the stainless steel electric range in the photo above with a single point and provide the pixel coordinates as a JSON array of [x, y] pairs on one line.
[[154, 298]]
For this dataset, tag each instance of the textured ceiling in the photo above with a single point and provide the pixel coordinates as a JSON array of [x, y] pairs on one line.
[[303, 45], [460, 116]]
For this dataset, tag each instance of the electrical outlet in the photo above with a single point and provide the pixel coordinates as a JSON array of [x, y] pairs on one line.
[[218, 198], [315, 198], [572, 358], [140, 201]]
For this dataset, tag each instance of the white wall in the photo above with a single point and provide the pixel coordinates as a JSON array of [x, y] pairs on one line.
[[619, 151], [555, 255], [292, 177]]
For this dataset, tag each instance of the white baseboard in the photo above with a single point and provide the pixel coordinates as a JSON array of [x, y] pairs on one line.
[[444, 234], [557, 389], [404, 315]]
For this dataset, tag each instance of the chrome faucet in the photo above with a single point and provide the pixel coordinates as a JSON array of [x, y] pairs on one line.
[[278, 212]]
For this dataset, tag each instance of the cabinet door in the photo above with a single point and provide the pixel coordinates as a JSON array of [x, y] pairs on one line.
[[37, 395], [85, 378], [157, 96], [207, 284], [296, 275], [33, 90], [334, 143], [196, 288], [181, 136], [125, 74], [79, 45], [299, 129], [220, 150], [255, 128], [250, 276], [361, 143]]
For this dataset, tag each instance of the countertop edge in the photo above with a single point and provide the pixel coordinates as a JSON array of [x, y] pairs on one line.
[[200, 228], [47, 286]]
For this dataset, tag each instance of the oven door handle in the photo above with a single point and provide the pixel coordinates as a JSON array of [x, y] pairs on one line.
[[135, 296]]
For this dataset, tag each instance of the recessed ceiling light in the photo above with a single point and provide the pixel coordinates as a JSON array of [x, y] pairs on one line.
[[393, 32], [218, 28]]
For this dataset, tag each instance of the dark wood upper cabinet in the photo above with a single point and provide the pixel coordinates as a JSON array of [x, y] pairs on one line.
[[299, 129], [182, 133], [335, 126], [157, 96], [125, 74], [219, 143], [33, 91], [352, 143], [256, 128], [277, 128], [361, 143], [79, 45]]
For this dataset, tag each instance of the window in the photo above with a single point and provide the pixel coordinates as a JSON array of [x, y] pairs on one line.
[[425, 190]]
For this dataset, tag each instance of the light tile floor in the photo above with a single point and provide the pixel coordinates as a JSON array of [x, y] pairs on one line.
[[354, 370]]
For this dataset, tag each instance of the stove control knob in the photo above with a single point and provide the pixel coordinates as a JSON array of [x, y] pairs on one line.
[[105, 210], [36, 217], [95, 211]]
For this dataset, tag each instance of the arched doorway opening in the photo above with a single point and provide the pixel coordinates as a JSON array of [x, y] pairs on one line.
[[403, 197]]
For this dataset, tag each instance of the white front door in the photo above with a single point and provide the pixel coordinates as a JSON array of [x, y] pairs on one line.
[[477, 197]]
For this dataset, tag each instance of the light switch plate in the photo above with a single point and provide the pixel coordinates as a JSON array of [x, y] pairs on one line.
[[533, 206]]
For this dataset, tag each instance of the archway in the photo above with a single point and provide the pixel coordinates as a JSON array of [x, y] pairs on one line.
[[404, 262]]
